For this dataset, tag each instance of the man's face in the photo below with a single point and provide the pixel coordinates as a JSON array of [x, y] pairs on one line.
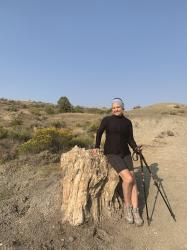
[[117, 109]]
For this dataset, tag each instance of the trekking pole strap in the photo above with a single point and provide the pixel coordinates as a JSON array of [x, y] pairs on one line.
[[135, 156]]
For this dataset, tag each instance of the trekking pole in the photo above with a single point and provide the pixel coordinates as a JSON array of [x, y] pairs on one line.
[[135, 158], [143, 185], [142, 159]]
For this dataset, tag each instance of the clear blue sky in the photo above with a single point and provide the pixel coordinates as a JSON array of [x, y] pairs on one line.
[[94, 50]]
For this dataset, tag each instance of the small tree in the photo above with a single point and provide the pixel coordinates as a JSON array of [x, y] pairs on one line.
[[64, 104]]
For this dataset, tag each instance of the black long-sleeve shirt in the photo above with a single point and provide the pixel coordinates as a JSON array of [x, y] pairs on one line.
[[119, 134]]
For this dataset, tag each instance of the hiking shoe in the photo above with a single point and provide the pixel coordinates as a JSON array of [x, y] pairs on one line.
[[137, 218], [128, 214]]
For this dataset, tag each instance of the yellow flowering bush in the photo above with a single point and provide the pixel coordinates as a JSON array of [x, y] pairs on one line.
[[52, 139]]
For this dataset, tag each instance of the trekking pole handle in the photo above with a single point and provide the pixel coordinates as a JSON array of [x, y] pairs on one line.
[[136, 153]]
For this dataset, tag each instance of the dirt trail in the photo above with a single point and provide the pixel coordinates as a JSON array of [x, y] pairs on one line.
[[163, 233]]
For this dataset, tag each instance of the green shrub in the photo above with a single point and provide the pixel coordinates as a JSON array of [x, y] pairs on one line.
[[165, 113], [12, 108], [52, 139], [41, 118], [137, 107], [176, 106], [12, 101], [3, 100], [6, 157], [58, 124], [3, 132], [84, 141], [17, 121], [96, 110], [78, 109], [170, 133], [38, 105], [108, 111], [181, 111], [19, 134], [24, 106], [36, 124], [64, 105], [165, 133], [78, 125], [85, 125], [50, 109], [173, 113], [93, 127], [35, 111]]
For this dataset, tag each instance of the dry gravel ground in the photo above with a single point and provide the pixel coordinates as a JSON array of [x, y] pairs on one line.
[[30, 199]]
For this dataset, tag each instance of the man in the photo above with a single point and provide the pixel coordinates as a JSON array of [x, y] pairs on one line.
[[119, 134]]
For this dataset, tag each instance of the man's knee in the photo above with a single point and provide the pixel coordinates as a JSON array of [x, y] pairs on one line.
[[127, 178], [130, 179]]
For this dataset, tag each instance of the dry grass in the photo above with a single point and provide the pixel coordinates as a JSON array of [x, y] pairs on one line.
[[159, 110]]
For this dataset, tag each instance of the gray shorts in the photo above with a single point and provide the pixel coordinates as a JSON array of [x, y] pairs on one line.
[[120, 163]]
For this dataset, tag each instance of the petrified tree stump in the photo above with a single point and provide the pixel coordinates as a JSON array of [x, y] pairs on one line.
[[88, 186]]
